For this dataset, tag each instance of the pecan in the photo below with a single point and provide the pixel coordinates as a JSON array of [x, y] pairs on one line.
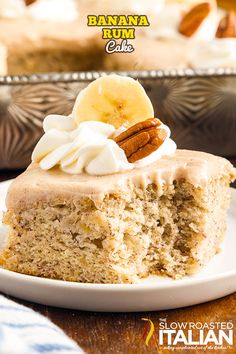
[[227, 26], [227, 4], [141, 139], [192, 20], [29, 2]]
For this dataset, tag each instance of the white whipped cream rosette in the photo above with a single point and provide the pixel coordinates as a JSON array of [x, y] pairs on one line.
[[42, 10], [217, 53], [54, 10], [88, 148], [12, 8], [77, 144]]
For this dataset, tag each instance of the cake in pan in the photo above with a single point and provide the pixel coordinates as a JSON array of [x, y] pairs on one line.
[[185, 34], [40, 46], [43, 37], [109, 199], [46, 36]]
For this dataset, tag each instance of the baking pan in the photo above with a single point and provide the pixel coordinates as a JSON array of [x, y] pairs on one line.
[[198, 105]]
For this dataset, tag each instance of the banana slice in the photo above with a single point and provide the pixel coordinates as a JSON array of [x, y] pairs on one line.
[[115, 100]]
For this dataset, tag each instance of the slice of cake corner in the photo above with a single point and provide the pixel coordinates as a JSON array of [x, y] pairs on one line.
[[168, 218]]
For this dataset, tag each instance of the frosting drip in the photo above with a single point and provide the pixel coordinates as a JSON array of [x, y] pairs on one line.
[[197, 168]]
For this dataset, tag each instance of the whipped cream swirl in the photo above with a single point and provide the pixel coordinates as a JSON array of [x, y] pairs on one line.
[[42, 10], [217, 53], [54, 10], [88, 147], [12, 8]]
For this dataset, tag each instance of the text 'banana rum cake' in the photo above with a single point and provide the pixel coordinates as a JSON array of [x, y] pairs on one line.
[[109, 199]]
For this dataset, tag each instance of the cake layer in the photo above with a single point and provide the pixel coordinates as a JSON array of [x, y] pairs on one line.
[[36, 185], [42, 46]]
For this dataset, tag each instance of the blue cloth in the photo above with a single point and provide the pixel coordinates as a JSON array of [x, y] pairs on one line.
[[24, 331]]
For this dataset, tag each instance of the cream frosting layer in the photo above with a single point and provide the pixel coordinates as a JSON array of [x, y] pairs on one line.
[[37, 35], [36, 185], [54, 10], [42, 10], [116, 7]]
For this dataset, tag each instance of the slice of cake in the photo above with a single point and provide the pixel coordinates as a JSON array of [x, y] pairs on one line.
[[112, 203]]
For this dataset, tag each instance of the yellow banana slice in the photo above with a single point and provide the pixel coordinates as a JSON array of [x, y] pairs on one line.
[[115, 100]]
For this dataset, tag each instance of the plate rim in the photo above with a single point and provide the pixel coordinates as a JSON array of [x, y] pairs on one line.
[[173, 284]]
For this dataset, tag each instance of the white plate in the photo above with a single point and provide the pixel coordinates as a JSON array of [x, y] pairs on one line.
[[216, 280]]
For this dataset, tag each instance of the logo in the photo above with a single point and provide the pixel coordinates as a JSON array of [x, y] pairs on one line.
[[118, 30], [189, 335]]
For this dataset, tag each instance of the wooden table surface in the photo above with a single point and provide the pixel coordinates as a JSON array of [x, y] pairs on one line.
[[108, 333]]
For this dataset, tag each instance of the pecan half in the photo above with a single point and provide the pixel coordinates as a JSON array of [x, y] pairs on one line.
[[192, 20], [227, 26], [141, 139], [29, 2], [227, 4]]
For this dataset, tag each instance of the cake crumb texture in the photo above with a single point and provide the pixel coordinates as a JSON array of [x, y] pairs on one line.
[[123, 237]]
